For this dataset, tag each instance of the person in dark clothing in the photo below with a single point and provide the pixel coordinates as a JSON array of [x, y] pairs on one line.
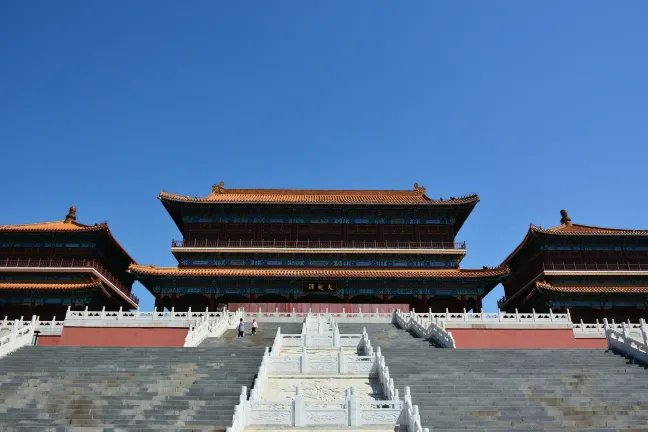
[[241, 328]]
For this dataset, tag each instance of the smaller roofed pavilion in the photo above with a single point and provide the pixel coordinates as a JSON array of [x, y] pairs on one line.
[[50, 266], [595, 272]]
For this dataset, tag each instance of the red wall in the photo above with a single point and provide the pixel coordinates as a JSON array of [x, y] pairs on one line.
[[318, 307], [523, 338], [122, 337], [48, 340]]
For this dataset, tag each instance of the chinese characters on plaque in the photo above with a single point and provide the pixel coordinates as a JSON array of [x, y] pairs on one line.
[[319, 286]]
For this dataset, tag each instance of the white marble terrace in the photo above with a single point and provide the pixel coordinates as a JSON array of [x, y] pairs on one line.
[[323, 378]]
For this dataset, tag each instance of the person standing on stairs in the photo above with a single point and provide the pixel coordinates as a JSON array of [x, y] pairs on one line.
[[241, 328], [255, 325]]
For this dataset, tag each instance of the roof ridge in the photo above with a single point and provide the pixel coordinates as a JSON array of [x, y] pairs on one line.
[[363, 196]]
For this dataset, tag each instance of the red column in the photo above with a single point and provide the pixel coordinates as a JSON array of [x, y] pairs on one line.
[[463, 301], [212, 302], [478, 301], [424, 302], [173, 299], [385, 298]]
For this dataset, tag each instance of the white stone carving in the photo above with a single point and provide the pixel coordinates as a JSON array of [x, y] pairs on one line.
[[18, 337], [316, 418], [273, 417], [622, 341]]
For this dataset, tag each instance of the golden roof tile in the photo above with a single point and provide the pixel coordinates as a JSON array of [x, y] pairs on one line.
[[277, 196], [593, 289], [317, 272], [48, 285]]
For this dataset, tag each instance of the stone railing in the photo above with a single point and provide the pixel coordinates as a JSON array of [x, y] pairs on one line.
[[410, 416], [18, 337], [622, 341], [497, 317], [205, 328], [137, 315], [598, 328], [52, 324], [425, 329], [342, 317], [314, 364]]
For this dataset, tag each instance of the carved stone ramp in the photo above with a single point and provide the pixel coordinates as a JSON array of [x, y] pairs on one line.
[[515, 389], [124, 389]]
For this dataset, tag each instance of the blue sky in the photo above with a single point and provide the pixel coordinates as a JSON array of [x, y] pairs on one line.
[[535, 105]]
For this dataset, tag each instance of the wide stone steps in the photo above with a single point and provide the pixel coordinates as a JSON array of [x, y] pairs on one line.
[[511, 389], [264, 337], [131, 389], [77, 388]]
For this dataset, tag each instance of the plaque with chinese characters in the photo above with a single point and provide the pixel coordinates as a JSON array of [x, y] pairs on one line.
[[319, 286]]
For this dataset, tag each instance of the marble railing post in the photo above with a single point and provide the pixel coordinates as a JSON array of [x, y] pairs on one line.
[[353, 407], [304, 360], [644, 332], [299, 408]]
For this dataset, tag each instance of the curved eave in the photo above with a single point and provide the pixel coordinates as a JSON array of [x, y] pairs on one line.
[[49, 286], [463, 206], [511, 257], [75, 227], [297, 273], [590, 232], [424, 201]]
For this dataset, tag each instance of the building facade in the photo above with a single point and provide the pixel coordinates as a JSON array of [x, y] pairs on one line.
[[318, 246], [47, 267], [595, 272]]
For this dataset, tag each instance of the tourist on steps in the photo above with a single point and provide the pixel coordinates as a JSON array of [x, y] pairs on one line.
[[241, 328], [255, 325]]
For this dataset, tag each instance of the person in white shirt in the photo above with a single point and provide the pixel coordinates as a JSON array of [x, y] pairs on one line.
[[255, 325]]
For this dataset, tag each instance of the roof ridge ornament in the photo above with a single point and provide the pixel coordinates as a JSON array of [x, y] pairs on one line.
[[419, 189], [565, 219], [71, 216], [218, 188]]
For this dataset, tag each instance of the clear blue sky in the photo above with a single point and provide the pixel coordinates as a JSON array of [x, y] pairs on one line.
[[535, 105]]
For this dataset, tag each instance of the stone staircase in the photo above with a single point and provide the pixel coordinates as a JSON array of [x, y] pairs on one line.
[[514, 390], [130, 389]]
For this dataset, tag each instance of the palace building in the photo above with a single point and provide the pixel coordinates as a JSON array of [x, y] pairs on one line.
[[318, 246], [595, 272], [47, 267]]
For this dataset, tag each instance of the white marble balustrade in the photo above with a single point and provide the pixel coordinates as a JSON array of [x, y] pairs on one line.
[[17, 337], [425, 328], [204, 327], [627, 344], [137, 315], [496, 317]]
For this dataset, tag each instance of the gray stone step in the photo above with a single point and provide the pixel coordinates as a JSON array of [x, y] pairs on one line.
[[512, 389], [76, 388]]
